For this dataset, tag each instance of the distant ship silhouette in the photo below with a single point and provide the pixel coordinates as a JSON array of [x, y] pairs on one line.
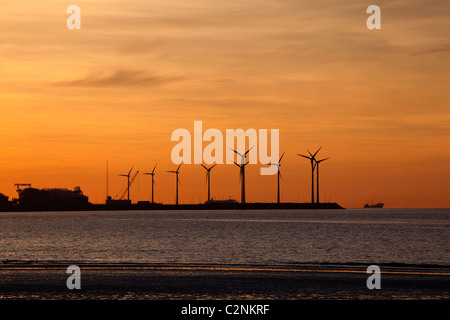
[[376, 205]]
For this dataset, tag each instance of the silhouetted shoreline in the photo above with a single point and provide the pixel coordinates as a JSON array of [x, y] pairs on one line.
[[158, 206]]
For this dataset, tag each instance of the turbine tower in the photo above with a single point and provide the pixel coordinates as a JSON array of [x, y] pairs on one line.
[[317, 176], [313, 166], [208, 179], [128, 180], [153, 179], [177, 182], [278, 176], [242, 172]]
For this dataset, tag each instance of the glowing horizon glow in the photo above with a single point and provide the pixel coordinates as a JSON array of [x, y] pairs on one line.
[[377, 100]]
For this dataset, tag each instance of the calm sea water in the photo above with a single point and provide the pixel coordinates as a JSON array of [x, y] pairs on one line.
[[410, 236]]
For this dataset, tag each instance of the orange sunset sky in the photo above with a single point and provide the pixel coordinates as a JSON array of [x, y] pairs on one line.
[[378, 101]]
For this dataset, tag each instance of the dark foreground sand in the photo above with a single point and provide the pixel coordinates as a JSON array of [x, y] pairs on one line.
[[154, 282]]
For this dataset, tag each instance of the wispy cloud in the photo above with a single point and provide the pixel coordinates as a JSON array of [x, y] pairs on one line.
[[431, 50], [120, 78]]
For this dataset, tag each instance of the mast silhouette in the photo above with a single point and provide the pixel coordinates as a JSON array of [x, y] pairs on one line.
[[278, 164], [153, 180], [208, 179], [128, 180], [313, 166], [242, 172], [317, 176], [177, 182]]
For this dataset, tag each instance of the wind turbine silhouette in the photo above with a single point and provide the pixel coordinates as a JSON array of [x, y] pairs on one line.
[[242, 172], [317, 176], [313, 166], [208, 179], [128, 179], [153, 179], [177, 182], [278, 176]]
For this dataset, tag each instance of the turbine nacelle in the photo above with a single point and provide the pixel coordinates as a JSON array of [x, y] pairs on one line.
[[208, 169], [128, 174], [278, 164], [243, 156], [151, 173]]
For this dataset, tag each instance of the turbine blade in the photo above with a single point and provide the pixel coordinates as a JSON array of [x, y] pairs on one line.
[[322, 160], [281, 158], [235, 151], [179, 166], [154, 168], [130, 170], [212, 167], [304, 156], [203, 166], [237, 164], [279, 172], [249, 150], [317, 151]]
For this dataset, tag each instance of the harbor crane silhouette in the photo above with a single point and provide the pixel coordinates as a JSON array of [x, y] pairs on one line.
[[128, 182]]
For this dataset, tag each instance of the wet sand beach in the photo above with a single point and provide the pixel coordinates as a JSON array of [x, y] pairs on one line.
[[231, 282]]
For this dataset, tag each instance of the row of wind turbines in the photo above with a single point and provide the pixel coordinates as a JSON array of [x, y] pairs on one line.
[[312, 157]]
